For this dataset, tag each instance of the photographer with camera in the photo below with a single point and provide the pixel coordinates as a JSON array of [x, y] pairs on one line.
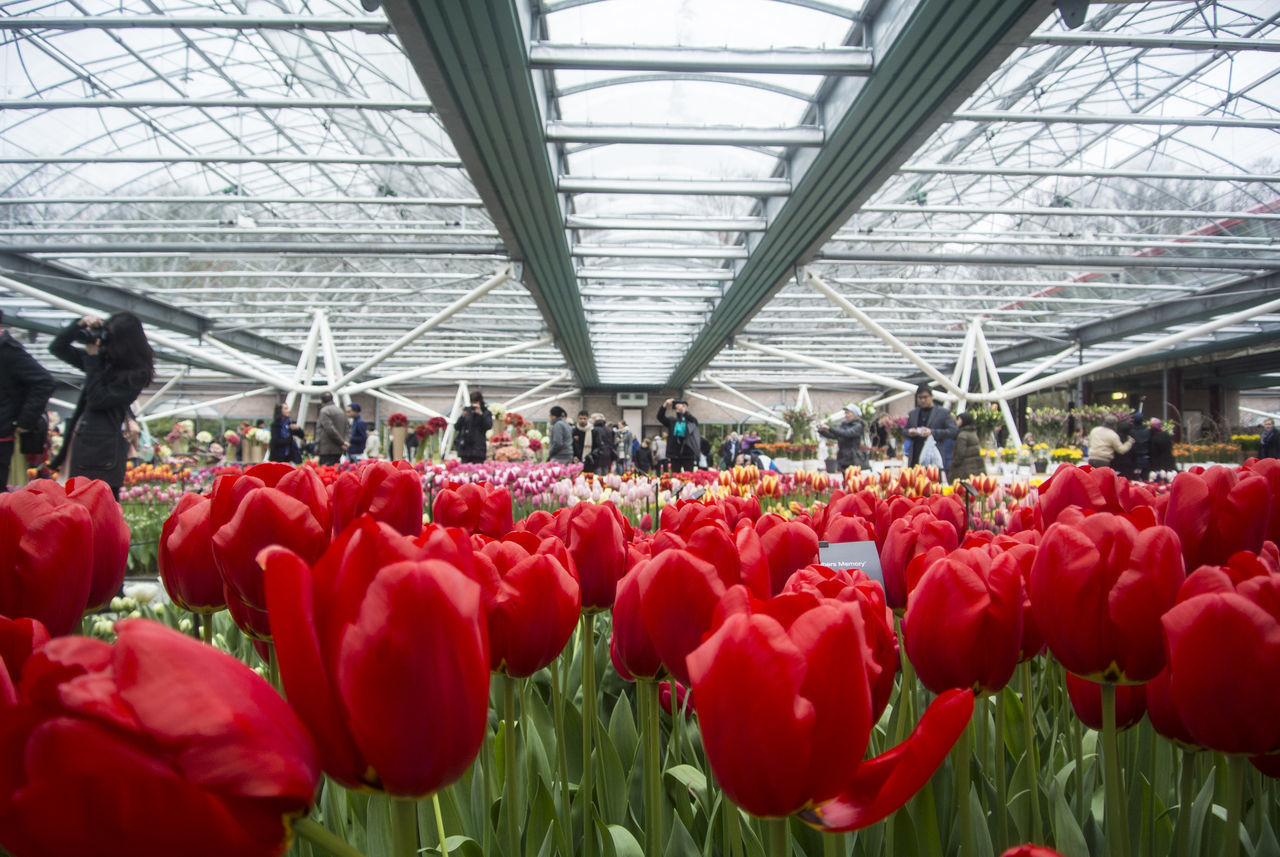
[[118, 364], [25, 387], [471, 428], [685, 446]]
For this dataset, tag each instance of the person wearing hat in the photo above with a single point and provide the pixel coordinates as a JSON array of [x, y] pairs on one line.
[[1160, 448], [929, 420], [331, 431], [848, 437], [359, 433], [560, 441], [685, 445]]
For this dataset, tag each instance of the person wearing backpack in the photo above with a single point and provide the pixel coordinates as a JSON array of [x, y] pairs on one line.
[[685, 445]]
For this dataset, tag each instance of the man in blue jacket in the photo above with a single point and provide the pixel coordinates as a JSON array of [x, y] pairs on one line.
[[359, 433]]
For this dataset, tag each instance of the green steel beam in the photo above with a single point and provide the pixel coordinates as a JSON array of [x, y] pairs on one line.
[[472, 58], [935, 54]]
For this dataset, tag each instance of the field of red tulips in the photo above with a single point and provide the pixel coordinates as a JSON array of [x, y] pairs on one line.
[[337, 675]]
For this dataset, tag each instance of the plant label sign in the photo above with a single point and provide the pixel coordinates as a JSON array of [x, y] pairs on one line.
[[850, 555]]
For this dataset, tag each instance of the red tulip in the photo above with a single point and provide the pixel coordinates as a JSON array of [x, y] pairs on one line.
[[155, 741], [1098, 590], [1086, 701], [1223, 639], [1269, 469], [630, 647], [907, 537], [532, 602], [1163, 714], [681, 700], [785, 717], [788, 546], [1217, 513], [392, 493], [678, 597], [1030, 850], [187, 567], [46, 566], [110, 545], [475, 507], [963, 625], [303, 484], [264, 517], [684, 516], [596, 535], [18, 639], [385, 656]]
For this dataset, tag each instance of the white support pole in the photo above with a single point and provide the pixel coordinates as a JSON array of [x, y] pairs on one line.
[[166, 387], [882, 380], [884, 335], [1040, 367], [984, 354], [410, 374], [459, 398], [403, 402], [549, 399], [1144, 349], [728, 389], [802, 397], [1260, 413], [510, 403], [306, 361], [243, 369], [276, 379], [884, 400], [448, 312], [332, 365], [964, 366], [767, 416], [194, 406]]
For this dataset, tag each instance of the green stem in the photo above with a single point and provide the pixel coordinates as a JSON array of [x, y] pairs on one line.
[[1113, 787], [206, 628], [1186, 793], [1029, 736], [512, 777], [435, 805], [404, 827], [562, 760], [833, 845], [273, 668], [322, 837], [963, 750], [1236, 767], [1002, 786], [651, 737], [1075, 730], [777, 832], [586, 787]]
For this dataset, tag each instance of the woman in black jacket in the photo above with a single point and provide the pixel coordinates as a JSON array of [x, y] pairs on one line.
[[285, 437], [118, 364]]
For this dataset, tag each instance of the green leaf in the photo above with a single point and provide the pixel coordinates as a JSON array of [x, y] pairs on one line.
[[905, 841], [379, 827], [623, 733], [690, 780], [1267, 844], [622, 842], [544, 822], [679, 842], [1199, 811], [611, 781], [1068, 837], [978, 822], [459, 846]]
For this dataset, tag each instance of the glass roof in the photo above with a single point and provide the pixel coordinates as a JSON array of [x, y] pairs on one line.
[[267, 171]]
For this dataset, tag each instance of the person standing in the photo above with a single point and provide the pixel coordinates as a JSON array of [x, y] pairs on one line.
[[1160, 447], [1269, 440], [625, 441], [685, 445], [472, 429], [729, 450], [332, 431], [582, 437], [359, 433], [1105, 443], [966, 455], [25, 387], [600, 447], [644, 457], [928, 420], [560, 437], [285, 437], [118, 363], [848, 437]]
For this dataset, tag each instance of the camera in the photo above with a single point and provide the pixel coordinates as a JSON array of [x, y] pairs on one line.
[[91, 334]]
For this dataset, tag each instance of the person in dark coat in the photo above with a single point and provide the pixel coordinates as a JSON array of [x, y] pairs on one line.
[[359, 433], [685, 445], [848, 437], [1269, 440], [644, 457], [1160, 449], [25, 387], [603, 449], [118, 364], [286, 437], [966, 457], [472, 428], [928, 420]]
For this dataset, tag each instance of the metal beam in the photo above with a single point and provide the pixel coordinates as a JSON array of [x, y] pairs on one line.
[[620, 251], [671, 224], [1116, 119], [1028, 260], [208, 103], [71, 285], [1074, 172], [1151, 318], [930, 56], [186, 158], [298, 23], [471, 58], [228, 199], [1180, 43], [244, 248], [827, 61], [693, 135], [708, 187]]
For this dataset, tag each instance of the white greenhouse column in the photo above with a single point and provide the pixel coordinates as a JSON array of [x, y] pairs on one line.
[[760, 408], [511, 403], [402, 402], [141, 410], [987, 361], [882, 380], [332, 364], [460, 399], [306, 369], [186, 409], [411, 374], [549, 399], [767, 416]]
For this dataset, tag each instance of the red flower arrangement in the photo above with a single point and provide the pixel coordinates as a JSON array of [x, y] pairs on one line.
[[437, 424], [423, 431], [535, 444], [397, 420], [512, 419], [500, 439]]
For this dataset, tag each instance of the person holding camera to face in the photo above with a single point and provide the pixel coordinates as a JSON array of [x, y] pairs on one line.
[[685, 446], [471, 429], [118, 363]]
